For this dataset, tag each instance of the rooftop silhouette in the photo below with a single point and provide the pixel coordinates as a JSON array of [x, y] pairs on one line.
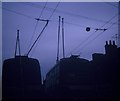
[[71, 78], [79, 79]]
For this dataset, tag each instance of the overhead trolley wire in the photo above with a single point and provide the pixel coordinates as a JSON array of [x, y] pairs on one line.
[[24, 16], [33, 18], [37, 19], [85, 40], [109, 3], [47, 8], [54, 10], [68, 13], [110, 20], [97, 31], [41, 19], [18, 13], [70, 23], [90, 41], [43, 9], [46, 24]]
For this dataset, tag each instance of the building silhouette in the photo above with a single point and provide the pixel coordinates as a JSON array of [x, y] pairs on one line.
[[79, 79], [67, 78], [107, 72], [71, 78]]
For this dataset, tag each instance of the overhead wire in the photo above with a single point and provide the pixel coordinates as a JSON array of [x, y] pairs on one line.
[[85, 40], [18, 13], [54, 10], [110, 3], [52, 13], [90, 41], [47, 8], [37, 23], [99, 33], [71, 23], [33, 18], [30, 16], [68, 13]]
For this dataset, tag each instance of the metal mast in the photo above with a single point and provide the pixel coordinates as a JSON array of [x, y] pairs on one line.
[[17, 44], [63, 37], [58, 40]]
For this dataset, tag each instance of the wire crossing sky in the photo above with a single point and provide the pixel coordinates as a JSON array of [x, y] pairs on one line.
[[88, 38], [37, 22], [77, 16]]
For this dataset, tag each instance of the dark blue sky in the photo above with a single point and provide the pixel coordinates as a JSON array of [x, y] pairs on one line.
[[77, 16]]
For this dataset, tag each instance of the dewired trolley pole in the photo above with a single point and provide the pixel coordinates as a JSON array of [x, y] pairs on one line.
[[118, 43], [0, 52]]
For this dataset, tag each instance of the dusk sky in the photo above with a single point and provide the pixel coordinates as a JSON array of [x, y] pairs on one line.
[[77, 16]]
